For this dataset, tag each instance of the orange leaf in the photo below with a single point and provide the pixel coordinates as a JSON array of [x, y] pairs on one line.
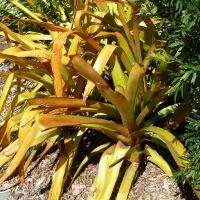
[[47, 25], [56, 62]]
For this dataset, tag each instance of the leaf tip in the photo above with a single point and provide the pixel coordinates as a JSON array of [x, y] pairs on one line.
[[85, 98]]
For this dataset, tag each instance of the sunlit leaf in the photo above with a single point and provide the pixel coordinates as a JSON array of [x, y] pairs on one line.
[[5, 91], [135, 81], [175, 147], [34, 129], [118, 76], [57, 182], [99, 66], [24, 9], [50, 142], [126, 183], [155, 158], [87, 158], [56, 62], [107, 176]]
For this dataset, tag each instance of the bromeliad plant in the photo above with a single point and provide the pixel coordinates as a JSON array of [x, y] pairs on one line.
[[73, 67]]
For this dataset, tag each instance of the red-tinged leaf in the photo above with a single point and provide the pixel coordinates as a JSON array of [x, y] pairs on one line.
[[137, 39], [56, 62], [111, 129], [126, 28], [150, 24], [21, 170], [86, 70], [53, 27], [181, 112], [102, 34], [58, 110], [47, 25], [48, 66], [96, 1], [121, 104], [80, 16], [62, 102], [47, 121], [90, 41]]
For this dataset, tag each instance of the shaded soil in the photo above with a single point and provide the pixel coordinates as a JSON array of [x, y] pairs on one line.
[[153, 184]]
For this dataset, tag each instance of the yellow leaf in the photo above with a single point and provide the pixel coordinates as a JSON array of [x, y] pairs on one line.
[[99, 66], [57, 182], [6, 89]]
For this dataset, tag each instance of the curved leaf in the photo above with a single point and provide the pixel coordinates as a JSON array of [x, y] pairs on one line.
[[57, 52], [175, 147], [155, 158]]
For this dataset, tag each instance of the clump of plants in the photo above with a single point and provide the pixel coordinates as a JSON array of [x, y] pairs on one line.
[[73, 91], [178, 23]]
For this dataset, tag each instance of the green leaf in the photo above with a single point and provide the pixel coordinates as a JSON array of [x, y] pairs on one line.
[[134, 83]]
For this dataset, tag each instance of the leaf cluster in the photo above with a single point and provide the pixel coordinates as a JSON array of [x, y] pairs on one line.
[[66, 70]]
